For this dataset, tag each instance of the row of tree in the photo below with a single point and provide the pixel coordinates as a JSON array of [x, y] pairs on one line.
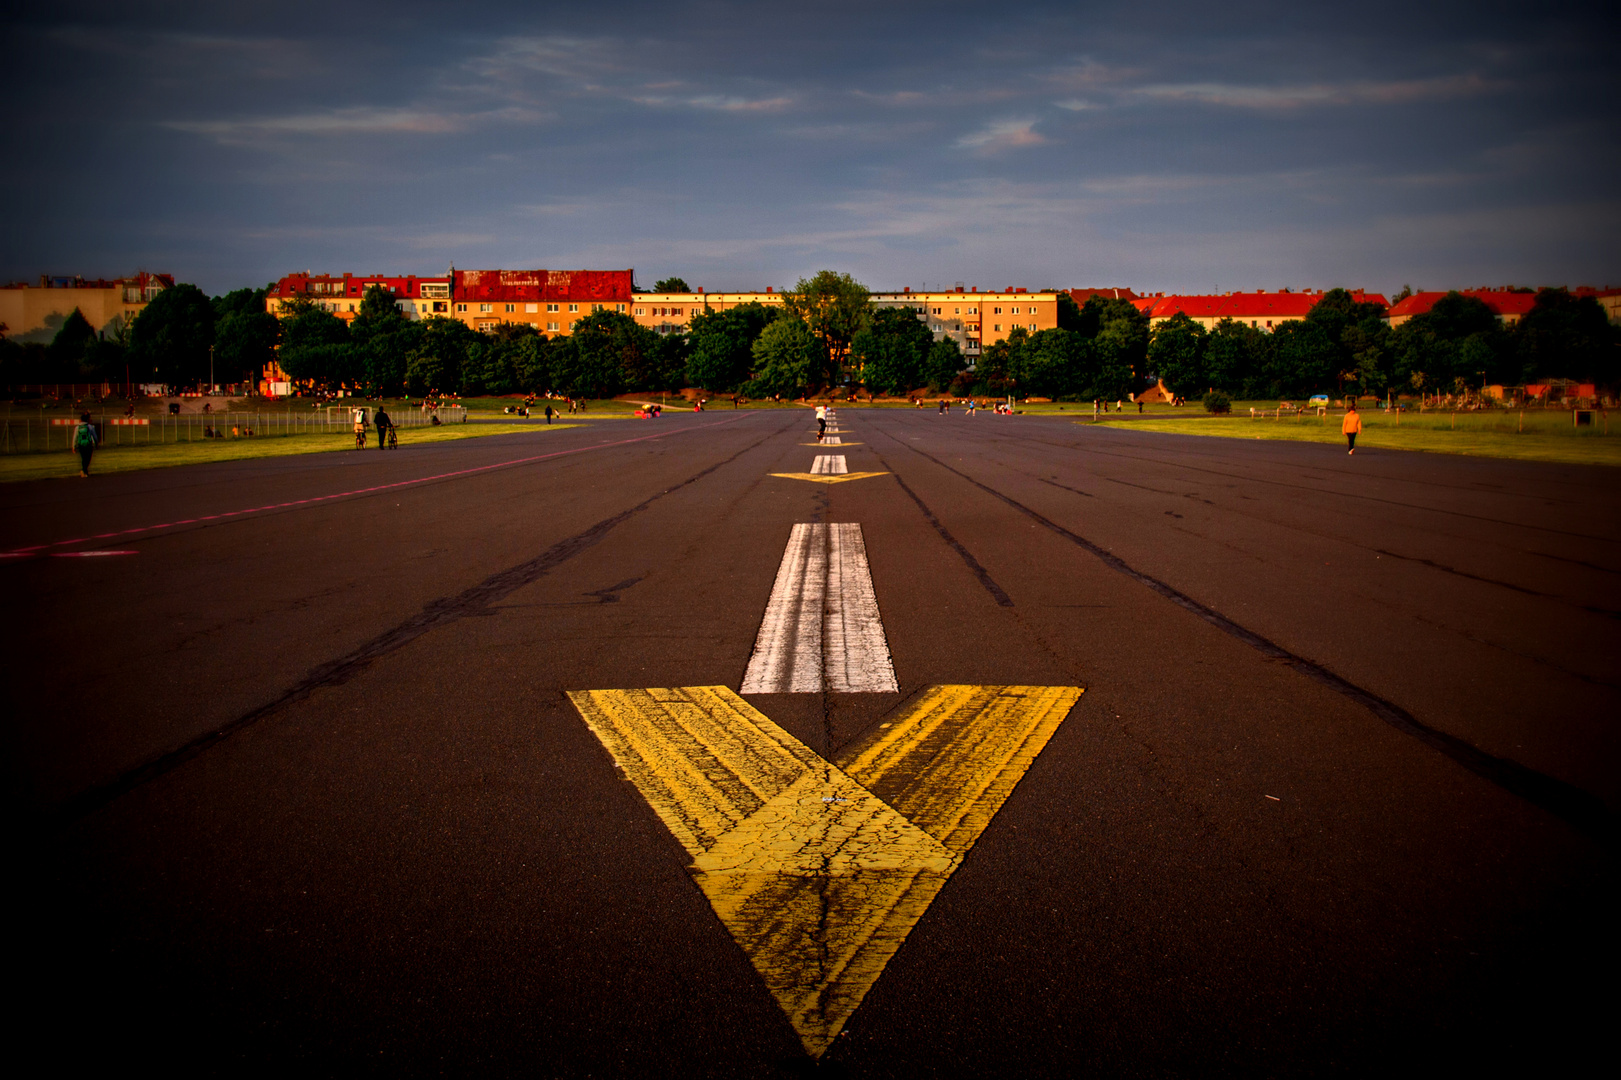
[[826, 333], [1344, 346]]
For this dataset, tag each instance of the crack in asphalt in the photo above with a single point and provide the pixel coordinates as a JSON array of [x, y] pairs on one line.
[[1579, 808], [474, 601]]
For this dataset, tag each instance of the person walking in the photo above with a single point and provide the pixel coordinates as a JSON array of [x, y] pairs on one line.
[[548, 413], [383, 424], [1352, 426], [84, 441]]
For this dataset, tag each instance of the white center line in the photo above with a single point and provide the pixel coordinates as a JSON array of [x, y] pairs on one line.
[[822, 630], [829, 465], [833, 440]]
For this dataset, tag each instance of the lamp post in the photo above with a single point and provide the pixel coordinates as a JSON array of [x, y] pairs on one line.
[[211, 369]]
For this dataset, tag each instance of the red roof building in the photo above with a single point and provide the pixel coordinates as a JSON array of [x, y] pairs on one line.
[[1509, 306], [550, 300], [416, 297], [1262, 310], [1081, 296]]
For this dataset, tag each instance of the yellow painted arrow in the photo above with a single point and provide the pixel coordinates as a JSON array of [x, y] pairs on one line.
[[821, 478], [820, 869]]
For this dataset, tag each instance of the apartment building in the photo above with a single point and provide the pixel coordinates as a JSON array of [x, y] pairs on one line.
[[35, 311], [1262, 310], [551, 301], [672, 313], [416, 297], [1508, 305], [975, 319]]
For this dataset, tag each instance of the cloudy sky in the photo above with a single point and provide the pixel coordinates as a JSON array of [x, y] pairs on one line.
[[1186, 147]]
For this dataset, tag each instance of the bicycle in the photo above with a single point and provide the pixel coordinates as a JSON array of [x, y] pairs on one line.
[[393, 440], [360, 437]]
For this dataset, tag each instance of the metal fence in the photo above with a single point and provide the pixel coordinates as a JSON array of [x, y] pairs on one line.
[[42, 434]]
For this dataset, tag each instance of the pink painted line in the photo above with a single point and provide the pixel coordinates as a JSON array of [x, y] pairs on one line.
[[19, 552], [88, 554]]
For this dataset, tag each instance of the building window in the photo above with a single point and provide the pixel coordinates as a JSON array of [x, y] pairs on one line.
[[530, 309], [937, 311], [997, 328], [973, 311], [551, 326], [440, 305], [574, 307], [956, 311], [511, 308], [484, 308], [551, 307], [1032, 326], [996, 311], [621, 307], [351, 307], [432, 291], [1015, 311], [640, 311]]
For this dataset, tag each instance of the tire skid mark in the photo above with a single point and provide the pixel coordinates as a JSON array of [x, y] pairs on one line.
[[477, 600], [1579, 808]]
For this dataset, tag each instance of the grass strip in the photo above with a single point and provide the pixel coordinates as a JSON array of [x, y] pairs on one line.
[[117, 459], [1379, 433]]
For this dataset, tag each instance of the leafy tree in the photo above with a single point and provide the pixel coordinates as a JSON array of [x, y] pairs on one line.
[[1565, 336], [611, 352], [789, 358], [722, 344], [1234, 355], [1303, 359], [245, 334], [1069, 312], [668, 370], [1120, 351], [835, 308], [171, 336], [1176, 355], [943, 364], [379, 314], [891, 350], [670, 285], [1457, 342], [1055, 363], [67, 349], [434, 364]]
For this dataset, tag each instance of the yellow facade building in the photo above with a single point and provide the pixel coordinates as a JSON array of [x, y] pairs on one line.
[[35, 312]]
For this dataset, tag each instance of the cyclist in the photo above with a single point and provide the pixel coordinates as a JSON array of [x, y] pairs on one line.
[[360, 430]]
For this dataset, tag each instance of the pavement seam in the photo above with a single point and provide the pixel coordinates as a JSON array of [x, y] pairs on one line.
[[472, 601], [1581, 809]]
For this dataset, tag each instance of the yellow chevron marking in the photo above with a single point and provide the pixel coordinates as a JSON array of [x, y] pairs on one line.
[[816, 478], [820, 869]]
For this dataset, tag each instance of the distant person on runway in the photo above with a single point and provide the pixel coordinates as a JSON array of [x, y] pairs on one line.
[[1352, 426], [548, 413], [821, 422], [383, 424], [84, 441]]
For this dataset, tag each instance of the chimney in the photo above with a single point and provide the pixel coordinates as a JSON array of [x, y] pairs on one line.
[[768, 288]]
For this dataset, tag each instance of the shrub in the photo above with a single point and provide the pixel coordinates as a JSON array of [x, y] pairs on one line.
[[1217, 402]]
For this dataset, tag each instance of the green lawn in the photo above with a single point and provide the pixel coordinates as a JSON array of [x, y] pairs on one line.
[[114, 459], [1548, 435]]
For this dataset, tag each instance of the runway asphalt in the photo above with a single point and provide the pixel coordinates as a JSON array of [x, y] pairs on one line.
[[300, 784]]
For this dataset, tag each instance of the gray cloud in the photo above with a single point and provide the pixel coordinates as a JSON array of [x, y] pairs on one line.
[[1259, 146]]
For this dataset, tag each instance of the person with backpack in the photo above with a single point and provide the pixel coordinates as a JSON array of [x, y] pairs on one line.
[[84, 441]]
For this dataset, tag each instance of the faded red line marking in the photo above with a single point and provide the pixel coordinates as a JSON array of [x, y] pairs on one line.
[[88, 554], [39, 548]]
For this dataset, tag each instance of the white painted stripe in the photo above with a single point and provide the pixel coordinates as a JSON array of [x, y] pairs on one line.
[[829, 465], [833, 440], [822, 630], [855, 655], [788, 650]]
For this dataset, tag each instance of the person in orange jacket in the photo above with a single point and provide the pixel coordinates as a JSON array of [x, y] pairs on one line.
[[1352, 426]]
